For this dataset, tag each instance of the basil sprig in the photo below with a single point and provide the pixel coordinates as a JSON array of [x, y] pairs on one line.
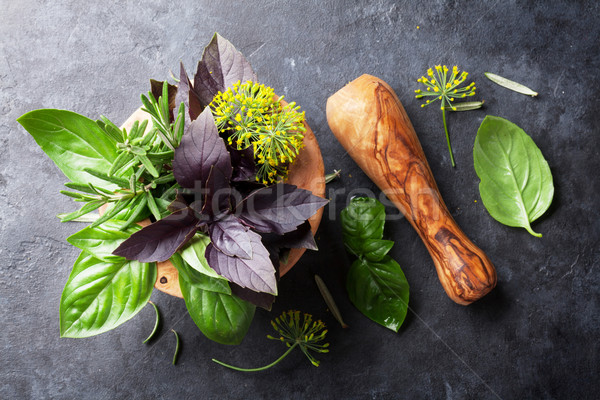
[[376, 284]]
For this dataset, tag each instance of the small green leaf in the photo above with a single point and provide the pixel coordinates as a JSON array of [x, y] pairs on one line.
[[146, 163], [363, 219], [176, 353], [121, 160], [86, 208], [111, 129], [102, 240], [516, 183], [193, 254], [112, 211], [221, 317], [514, 86], [137, 209], [152, 206], [72, 141], [376, 249], [380, 291], [156, 322], [466, 106], [100, 296], [199, 280]]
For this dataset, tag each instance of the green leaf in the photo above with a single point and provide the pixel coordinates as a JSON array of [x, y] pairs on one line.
[[126, 213], [465, 106], [363, 219], [100, 296], [376, 249], [102, 240], [507, 83], [86, 208], [380, 291], [221, 317], [193, 254], [516, 183], [199, 280], [72, 141]]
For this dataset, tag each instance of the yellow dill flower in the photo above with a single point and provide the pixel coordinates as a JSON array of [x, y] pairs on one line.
[[445, 86], [250, 115]]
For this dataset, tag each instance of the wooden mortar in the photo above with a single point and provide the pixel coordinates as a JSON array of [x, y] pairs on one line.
[[369, 121]]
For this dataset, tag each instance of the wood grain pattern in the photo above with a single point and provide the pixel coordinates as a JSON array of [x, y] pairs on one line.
[[307, 172], [368, 119]]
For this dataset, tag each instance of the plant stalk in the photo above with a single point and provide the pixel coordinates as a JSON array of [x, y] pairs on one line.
[[447, 135], [259, 368]]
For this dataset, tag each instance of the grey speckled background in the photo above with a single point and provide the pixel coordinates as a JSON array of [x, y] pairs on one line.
[[535, 336]]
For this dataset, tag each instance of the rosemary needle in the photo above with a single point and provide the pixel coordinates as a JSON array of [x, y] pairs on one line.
[[329, 301], [155, 323], [176, 346], [507, 83]]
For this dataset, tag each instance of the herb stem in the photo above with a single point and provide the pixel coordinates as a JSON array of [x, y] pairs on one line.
[[447, 136], [260, 368]]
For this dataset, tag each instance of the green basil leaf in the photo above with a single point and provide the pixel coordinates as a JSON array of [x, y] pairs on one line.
[[102, 240], [199, 280], [72, 141], [100, 296], [193, 254], [516, 183], [380, 291], [221, 317], [376, 249], [363, 219]]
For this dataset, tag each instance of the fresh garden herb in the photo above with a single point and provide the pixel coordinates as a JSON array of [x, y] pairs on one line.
[[333, 176], [329, 300], [467, 106], [514, 86], [376, 284], [445, 88], [203, 164], [155, 329], [177, 343], [257, 120], [516, 183], [294, 332], [214, 216], [100, 295]]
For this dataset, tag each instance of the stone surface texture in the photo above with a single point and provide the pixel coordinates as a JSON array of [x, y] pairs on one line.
[[535, 336]]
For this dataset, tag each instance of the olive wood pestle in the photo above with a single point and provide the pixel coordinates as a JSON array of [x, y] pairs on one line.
[[369, 121]]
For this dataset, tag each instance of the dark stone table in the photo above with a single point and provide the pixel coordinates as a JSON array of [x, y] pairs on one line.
[[535, 336]]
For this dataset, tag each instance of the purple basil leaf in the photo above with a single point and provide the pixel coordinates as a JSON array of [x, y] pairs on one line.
[[257, 273], [201, 148], [179, 203], [230, 237], [218, 192], [301, 238], [264, 300], [225, 63], [187, 96], [244, 167], [205, 86], [279, 208], [158, 241]]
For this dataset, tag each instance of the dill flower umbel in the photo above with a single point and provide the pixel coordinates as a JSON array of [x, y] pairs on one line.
[[294, 332], [440, 86], [249, 115]]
